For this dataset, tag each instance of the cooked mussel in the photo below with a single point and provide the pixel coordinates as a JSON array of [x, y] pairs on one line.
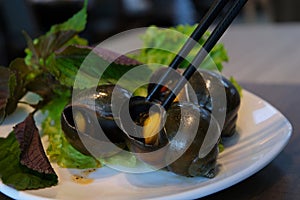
[[200, 154], [88, 122], [213, 91], [143, 125], [178, 145], [209, 96]]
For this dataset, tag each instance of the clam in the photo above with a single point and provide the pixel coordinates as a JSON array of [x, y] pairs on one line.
[[88, 122]]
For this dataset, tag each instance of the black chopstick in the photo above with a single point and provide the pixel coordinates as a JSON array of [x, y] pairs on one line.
[[204, 24], [203, 52]]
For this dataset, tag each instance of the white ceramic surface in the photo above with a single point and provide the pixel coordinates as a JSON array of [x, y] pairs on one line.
[[262, 134]]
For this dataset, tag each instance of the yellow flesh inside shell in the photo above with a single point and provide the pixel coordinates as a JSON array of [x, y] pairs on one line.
[[151, 128], [182, 95], [80, 122]]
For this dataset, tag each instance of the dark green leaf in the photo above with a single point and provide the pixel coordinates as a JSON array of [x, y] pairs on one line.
[[60, 35], [12, 86], [92, 63], [16, 175], [22, 75], [5, 77], [27, 181], [75, 23], [32, 152], [47, 87]]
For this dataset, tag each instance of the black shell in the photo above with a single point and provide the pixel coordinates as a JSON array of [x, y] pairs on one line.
[[205, 99], [178, 153], [94, 104], [139, 111], [189, 163], [205, 83]]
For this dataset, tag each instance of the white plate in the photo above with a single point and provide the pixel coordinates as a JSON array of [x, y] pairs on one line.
[[262, 133]]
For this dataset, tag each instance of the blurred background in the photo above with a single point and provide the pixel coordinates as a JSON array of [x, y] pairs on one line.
[[108, 17]]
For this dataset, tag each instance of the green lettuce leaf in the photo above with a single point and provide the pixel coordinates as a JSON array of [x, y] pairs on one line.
[[161, 45], [123, 159]]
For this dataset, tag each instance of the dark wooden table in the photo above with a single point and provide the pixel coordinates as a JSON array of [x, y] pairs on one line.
[[266, 61]]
